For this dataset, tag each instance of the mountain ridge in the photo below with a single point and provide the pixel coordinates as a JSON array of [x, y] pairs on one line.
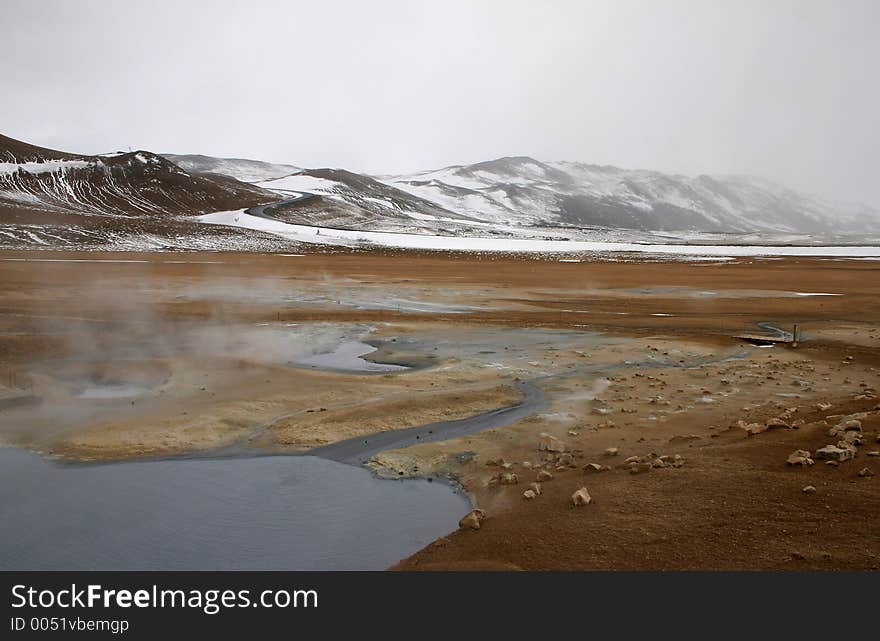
[[503, 197], [524, 190]]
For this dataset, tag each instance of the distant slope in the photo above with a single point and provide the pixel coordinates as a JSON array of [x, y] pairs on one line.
[[250, 171], [133, 184], [524, 191], [51, 198], [355, 201], [135, 199]]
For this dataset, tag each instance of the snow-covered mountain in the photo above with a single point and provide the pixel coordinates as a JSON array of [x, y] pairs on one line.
[[52, 198], [249, 171], [140, 199], [354, 201], [525, 191]]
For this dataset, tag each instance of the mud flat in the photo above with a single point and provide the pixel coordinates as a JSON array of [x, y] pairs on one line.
[[641, 357]]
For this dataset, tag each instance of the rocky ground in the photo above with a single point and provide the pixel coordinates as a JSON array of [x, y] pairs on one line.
[[666, 442]]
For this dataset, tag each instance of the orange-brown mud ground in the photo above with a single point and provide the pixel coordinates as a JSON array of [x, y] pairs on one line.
[[124, 355]]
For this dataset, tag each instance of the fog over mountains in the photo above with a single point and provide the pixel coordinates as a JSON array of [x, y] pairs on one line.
[[522, 191]]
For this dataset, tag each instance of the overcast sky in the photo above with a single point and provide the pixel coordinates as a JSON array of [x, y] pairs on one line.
[[784, 89]]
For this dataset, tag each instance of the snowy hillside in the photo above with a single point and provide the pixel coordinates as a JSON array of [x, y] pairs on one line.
[[525, 191], [55, 198], [140, 199], [250, 171], [355, 201]]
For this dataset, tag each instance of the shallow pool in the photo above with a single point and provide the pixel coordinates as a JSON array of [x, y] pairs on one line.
[[264, 513]]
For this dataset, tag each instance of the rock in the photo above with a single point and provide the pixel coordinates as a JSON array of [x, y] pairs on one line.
[[544, 475], [823, 407], [507, 466], [684, 438], [549, 443], [873, 453], [509, 478], [832, 463], [472, 520], [492, 462], [851, 438], [638, 468], [573, 432], [752, 428], [535, 487], [799, 457], [809, 489], [529, 495], [631, 459], [565, 460], [866, 471], [595, 467], [581, 497], [834, 453], [779, 424], [612, 451], [851, 425], [677, 460]]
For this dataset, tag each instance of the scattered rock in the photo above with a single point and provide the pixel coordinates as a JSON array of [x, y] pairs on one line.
[[612, 451], [535, 487], [550, 443], [492, 462], [823, 407], [581, 497], [565, 460], [799, 457], [751, 428], [851, 425], [529, 495], [595, 467], [832, 463], [873, 453], [544, 475], [834, 453], [809, 489], [638, 468], [866, 471], [472, 520], [509, 478], [684, 438], [779, 424]]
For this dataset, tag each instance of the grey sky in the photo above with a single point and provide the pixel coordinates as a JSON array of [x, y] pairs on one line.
[[784, 89]]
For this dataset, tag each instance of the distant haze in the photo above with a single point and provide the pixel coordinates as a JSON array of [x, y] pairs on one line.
[[783, 89]]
